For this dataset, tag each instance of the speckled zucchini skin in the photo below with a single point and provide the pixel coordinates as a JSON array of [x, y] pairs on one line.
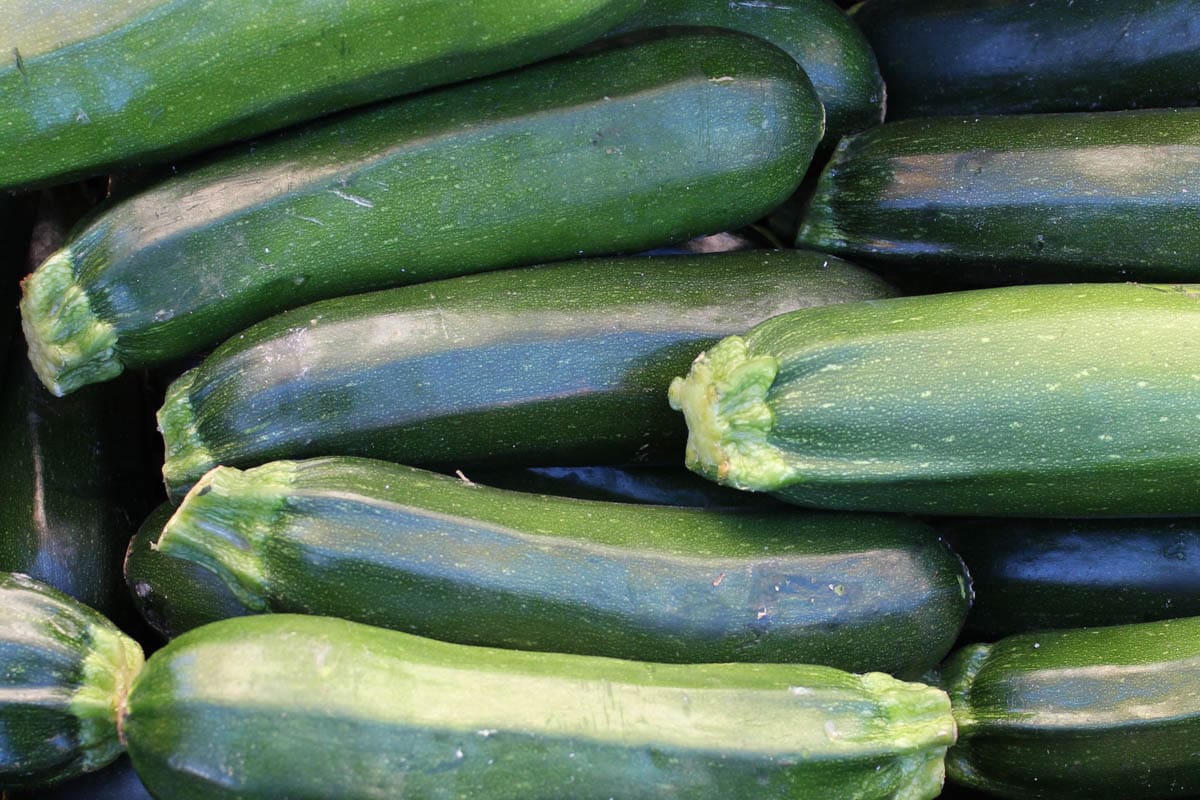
[[88, 84], [1086, 713], [831, 49], [1019, 199], [64, 670], [433, 555], [1014, 56], [611, 151], [1043, 574], [560, 363], [173, 594], [281, 706], [1052, 401]]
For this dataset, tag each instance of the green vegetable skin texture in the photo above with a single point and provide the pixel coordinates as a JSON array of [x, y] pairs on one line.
[[1069, 400], [529, 366], [432, 555], [231, 709], [656, 485], [173, 594], [611, 151], [831, 49], [1013, 56], [1040, 198], [75, 472], [1096, 712], [1042, 574], [62, 668], [89, 84]]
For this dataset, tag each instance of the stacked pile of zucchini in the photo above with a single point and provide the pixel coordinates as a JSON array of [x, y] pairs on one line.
[[426, 530]]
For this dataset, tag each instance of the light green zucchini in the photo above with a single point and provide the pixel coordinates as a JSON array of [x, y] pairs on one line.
[[1061, 400], [282, 706]]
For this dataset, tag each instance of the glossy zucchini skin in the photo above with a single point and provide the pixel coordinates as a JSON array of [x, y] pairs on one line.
[[63, 671], [117, 781], [1020, 199], [1044, 574], [524, 367], [604, 152], [656, 485], [1013, 57], [231, 710], [1046, 401], [174, 595], [433, 555], [1091, 712], [88, 85], [832, 50], [74, 475]]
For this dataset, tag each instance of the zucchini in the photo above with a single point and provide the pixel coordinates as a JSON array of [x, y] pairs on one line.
[[1014, 56], [117, 781], [1041, 574], [611, 151], [1021, 199], [525, 367], [89, 85], [63, 671], [1085, 713], [1069, 400], [283, 706], [172, 594], [433, 555], [74, 473], [831, 49]]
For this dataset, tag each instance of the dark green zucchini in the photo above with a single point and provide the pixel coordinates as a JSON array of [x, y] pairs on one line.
[[1041, 574], [831, 49], [612, 151], [88, 84], [64, 670], [282, 706], [1052, 401], [988, 200], [563, 363], [172, 594], [74, 475], [949, 57], [436, 556], [117, 781], [657, 485], [1085, 713]]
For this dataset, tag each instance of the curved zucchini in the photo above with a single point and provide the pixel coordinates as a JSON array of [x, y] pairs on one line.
[[433, 555], [1095, 712], [172, 594], [88, 84], [611, 151], [283, 706], [831, 49], [1020, 401], [64, 669], [1042, 574], [1052, 197], [532, 366], [1014, 56]]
